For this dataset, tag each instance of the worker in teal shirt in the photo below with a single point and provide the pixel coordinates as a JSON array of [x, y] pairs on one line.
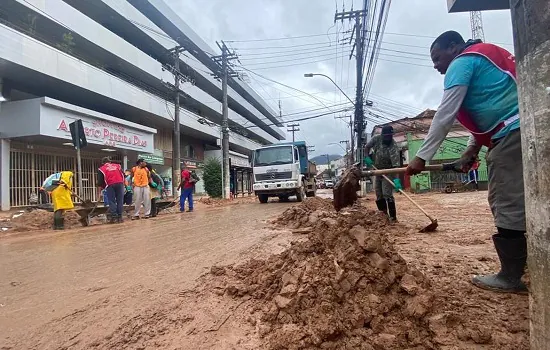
[[481, 92]]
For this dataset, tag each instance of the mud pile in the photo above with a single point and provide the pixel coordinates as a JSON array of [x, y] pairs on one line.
[[344, 287], [37, 219], [306, 214]]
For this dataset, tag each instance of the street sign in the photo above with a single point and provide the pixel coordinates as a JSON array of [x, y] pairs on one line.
[[152, 158]]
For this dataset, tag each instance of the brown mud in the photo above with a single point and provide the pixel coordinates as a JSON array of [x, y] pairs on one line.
[[346, 286], [319, 279]]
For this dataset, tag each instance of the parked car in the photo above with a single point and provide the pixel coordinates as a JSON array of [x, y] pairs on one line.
[[329, 184]]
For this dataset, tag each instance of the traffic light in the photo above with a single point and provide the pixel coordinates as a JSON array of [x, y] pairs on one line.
[[77, 134]]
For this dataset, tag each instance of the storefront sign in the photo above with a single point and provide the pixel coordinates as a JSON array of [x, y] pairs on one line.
[[239, 161], [152, 159], [109, 132], [194, 164]]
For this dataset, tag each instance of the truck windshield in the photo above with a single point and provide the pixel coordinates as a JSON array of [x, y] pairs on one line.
[[273, 156]]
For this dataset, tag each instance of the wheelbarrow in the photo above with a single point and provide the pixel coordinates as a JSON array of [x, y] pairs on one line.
[[87, 213]]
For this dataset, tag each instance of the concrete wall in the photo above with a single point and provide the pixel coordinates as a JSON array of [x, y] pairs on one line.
[[4, 174], [20, 118]]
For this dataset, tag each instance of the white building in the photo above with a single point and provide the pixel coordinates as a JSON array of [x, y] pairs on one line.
[[104, 61], [338, 166]]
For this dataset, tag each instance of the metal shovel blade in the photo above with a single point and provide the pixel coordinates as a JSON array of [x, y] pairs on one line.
[[431, 227]]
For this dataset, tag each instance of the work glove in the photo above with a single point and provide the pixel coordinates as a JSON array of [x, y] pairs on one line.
[[154, 185], [368, 162], [397, 184]]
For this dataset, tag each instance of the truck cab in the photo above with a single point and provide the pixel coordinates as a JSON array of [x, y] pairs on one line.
[[283, 170]]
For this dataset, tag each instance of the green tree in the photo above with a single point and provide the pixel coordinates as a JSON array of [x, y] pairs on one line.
[[67, 43], [212, 176]]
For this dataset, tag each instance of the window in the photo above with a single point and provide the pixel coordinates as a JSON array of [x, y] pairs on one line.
[[188, 151], [273, 156]]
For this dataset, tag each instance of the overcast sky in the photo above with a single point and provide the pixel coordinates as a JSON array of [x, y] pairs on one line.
[[398, 89]]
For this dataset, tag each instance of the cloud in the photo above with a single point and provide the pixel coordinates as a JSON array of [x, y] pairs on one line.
[[411, 86]]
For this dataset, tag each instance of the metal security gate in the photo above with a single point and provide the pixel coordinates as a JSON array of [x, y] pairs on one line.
[[29, 168]]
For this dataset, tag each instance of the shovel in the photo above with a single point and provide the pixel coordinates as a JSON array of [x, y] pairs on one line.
[[345, 191], [433, 225]]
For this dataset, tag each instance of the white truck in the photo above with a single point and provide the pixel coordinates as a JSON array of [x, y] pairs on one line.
[[283, 170]]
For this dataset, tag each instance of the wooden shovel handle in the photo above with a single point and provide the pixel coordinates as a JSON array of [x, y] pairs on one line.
[[392, 171], [409, 198]]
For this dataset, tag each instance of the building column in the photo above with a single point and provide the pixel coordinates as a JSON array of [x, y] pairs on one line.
[[124, 163], [242, 183], [4, 174]]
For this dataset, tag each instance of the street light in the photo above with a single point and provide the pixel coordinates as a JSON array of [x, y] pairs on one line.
[[311, 75], [337, 144]]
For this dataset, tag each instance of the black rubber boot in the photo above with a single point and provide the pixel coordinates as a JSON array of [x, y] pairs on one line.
[[382, 206], [512, 253], [392, 210], [61, 223], [55, 223], [58, 220]]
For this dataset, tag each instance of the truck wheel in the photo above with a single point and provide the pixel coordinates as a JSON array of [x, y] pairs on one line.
[[263, 198], [301, 194]]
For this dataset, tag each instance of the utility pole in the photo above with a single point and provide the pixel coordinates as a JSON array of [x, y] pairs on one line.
[[348, 159], [350, 124], [530, 22], [226, 72], [293, 128], [359, 88], [328, 164], [176, 151], [359, 124]]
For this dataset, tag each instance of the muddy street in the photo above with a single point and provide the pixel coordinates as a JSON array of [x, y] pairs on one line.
[[206, 280], [47, 276]]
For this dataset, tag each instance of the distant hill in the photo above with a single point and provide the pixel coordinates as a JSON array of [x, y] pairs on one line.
[[322, 159]]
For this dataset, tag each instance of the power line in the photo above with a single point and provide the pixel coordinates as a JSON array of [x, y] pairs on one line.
[[333, 58], [283, 38], [315, 54], [318, 35], [319, 45], [308, 118], [285, 85]]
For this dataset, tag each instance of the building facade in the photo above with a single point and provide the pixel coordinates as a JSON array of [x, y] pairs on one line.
[[450, 150], [109, 62]]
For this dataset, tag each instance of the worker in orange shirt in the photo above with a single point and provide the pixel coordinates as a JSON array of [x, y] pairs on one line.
[[142, 179]]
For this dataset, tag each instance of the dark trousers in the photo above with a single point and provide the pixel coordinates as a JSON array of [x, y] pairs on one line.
[[115, 195], [43, 197], [128, 198]]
